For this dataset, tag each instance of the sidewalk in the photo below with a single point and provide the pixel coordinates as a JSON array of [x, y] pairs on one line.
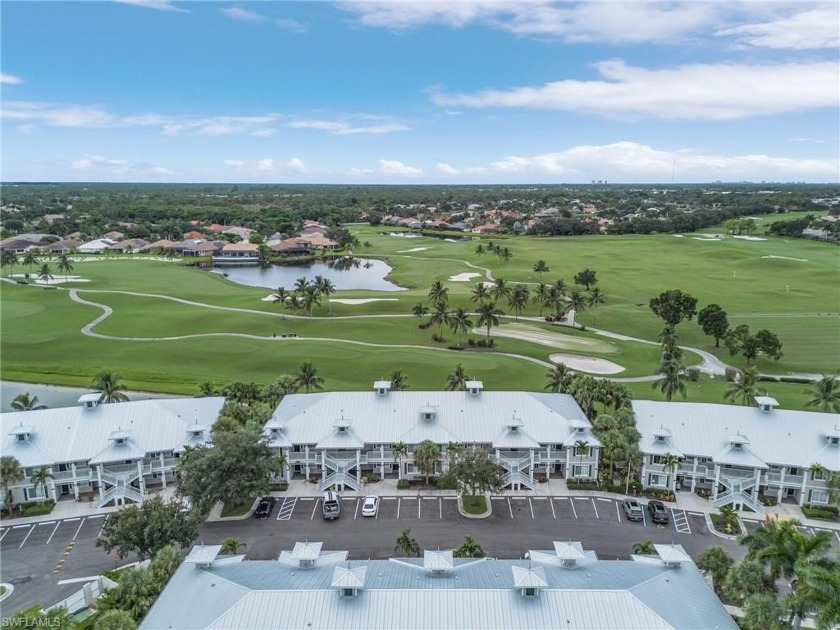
[[686, 500]]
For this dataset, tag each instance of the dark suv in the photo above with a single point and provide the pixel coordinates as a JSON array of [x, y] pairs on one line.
[[265, 507], [658, 512]]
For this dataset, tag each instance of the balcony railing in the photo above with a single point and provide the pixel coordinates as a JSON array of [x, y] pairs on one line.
[[775, 479], [377, 457], [702, 470]]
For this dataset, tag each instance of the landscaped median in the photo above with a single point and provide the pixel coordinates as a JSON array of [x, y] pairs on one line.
[[474, 506]]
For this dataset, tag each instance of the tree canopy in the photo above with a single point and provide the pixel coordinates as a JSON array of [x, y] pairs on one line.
[[674, 306]]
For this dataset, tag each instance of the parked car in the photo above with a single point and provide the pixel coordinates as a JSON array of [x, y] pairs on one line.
[[658, 512], [331, 507], [633, 510], [265, 507], [371, 506]]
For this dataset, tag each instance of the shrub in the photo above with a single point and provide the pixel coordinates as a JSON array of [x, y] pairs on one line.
[[39, 509], [768, 501], [424, 325], [662, 495], [794, 379], [821, 512], [471, 342], [372, 478], [446, 483], [438, 338], [402, 484], [579, 484], [458, 347], [731, 374], [279, 486], [693, 374]]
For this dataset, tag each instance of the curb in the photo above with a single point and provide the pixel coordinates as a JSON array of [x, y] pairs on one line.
[[465, 514], [10, 588], [715, 532], [225, 519]]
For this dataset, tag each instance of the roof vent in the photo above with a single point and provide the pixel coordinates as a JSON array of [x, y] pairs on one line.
[[833, 436], [342, 424], [474, 387], [382, 387], [738, 440], [428, 413], [22, 432], [766, 403], [672, 555], [662, 434], [348, 581], [529, 581], [89, 401], [514, 424], [438, 562], [120, 436]]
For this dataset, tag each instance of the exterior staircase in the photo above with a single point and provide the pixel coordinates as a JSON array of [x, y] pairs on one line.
[[514, 474], [340, 474], [121, 488]]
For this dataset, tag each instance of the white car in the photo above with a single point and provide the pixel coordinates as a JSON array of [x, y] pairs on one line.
[[371, 506]]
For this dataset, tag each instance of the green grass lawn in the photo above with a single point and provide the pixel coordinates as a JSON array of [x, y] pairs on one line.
[[240, 508], [474, 504], [797, 299]]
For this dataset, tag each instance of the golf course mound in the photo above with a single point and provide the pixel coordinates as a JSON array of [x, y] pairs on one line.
[[593, 365]]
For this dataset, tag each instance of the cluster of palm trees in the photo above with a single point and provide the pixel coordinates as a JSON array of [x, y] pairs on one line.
[[588, 390], [305, 295], [671, 371], [9, 259], [459, 319], [559, 300], [502, 252], [779, 549]]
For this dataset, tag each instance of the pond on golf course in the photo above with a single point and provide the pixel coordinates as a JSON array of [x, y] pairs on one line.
[[346, 274]]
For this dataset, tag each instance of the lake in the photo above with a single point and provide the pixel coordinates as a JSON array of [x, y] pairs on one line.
[[54, 396], [368, 275]]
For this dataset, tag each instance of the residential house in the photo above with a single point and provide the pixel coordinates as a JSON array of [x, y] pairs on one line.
[[18, 245], [114, 235], [290, 247], [341, 436], [193, 235], [487, 228], [739, 454], [129, 246], [96, 246], [563, 587], [162, 244], [237, 254], [114, 450], [318, 242], [65, 246], [197, 248]]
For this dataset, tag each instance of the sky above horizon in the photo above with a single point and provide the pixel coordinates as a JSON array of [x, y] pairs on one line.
[[392, 92]]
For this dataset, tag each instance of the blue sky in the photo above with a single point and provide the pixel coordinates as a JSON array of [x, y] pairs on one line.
[[432, 92]]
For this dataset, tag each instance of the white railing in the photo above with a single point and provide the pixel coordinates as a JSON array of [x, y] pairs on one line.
[[86, 596], [524, 480], [702, 470], [738, 497], [514, 465], [339, 479], [371, 457], [62, 476], [789, 480]]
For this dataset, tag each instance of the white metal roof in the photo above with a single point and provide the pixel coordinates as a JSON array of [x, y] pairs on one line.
[[459, 416], [345, 577], [528, 577], [780, 437], [203, 554], [78, 434]]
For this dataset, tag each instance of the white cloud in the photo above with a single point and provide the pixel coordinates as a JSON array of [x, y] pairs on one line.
[[447, 169], [813, 28], [291, 25], [26, 130], [700, 91], [98, 166], [356, 172], [631, 161], [265, 165], [806, 139], [295, 164], [243, 15], [395, 167], [234, 163], [158, 5], [342, 128], [9, 79], [268, 165]]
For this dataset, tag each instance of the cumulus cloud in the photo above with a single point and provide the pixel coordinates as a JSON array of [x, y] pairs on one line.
[[104, 167], [632, 161], [291, 25], [809, 29], [447, 169], [243, 15], [395, 167], [698, 91], [268, 165], [157, 5], [343, 128], [9, 79]]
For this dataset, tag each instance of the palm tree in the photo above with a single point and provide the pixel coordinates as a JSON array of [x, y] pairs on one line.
[[135, 592], [644, 548], [231, 545], [163, 565], [826, 394], [310, 298], [25, 402], [301, 284], [307, 377], [399, 381], [30, 259], [559, 379], [479, 293], [581, 449], [560, 285], [717, 562], [460, 323], [669, 465], [470, 549], [488, 315], [500, 289], [114, 619], [556, 302], [762, 611], [780, 545], [9, 259], [39, 478], [293, 303], [577, 302], [743, 388], [65, 266], [419, 310], [110, 387], [505, 254], [479, 249], [406, 544], [596, 297], [326, 288], [400, 450], [457, 381], [518, 299], [439, 316], [671, 379], [541, 267], [438, 293], [426, 456], [45, 273], [818, 585], [10, 472], [281, 294]]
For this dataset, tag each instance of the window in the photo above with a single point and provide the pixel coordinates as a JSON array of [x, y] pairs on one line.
[[579, 470], [529, 591], [655, 479], [428, 416], [819, 496], [817, 475], [793, 471], [657, 459]]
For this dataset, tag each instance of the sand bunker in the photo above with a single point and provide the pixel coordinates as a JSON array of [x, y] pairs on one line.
[[413, 249], [750, 238], [463, 277], [56, 280], [593, 365], [705, 239], [270, 298], [787, 258], [356, 301], [548, 338], [678, 235]]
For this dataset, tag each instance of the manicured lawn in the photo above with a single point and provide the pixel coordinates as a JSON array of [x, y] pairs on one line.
[[474, 504], [238, 509]]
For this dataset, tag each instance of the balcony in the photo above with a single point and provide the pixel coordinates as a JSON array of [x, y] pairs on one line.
[[775, 479], [377, 457], [702, 470]]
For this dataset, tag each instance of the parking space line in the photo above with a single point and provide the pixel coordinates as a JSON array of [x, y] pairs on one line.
[[103, 526], [594, 507], [440, 508], [553, 513], [96, 516], [31, 529], [837, 534], [696, 513], [5, 531], [286, 509], [78, 530], [510, 507], [532, 507], [306, 498], [617, 512], [314, 508], [47, 523], [399, 503], [644, 517], [70, 520], [356, 513], [419, 503], [19, 526], [53, 532], [680, 520], [574, 511]]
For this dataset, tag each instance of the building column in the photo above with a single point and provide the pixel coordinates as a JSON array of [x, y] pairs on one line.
[[287, 473], [323, 465], [75, 481], [382, 461], [358, 466], [803, 493], [99, 479], [141, 478], [694, 474], [162, 470], [755, 494], [568, 466], [531, 470], [306, 452], [548, 463], [717, 482], [596, 463], [643, 471]]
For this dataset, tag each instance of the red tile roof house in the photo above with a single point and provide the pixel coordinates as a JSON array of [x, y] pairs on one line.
[[291, 247], [193, 235], [487, 228], [237, 253]]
